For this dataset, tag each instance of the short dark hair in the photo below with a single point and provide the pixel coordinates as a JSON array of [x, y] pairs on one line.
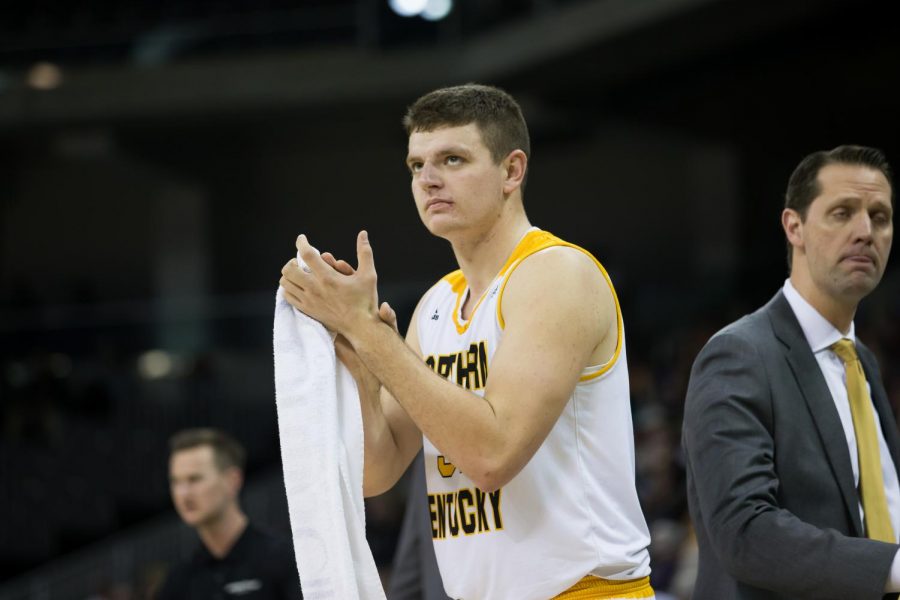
[[498, 116], [227, 451], [803, 185]]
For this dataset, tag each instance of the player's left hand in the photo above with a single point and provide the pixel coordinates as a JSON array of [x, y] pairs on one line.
[[331, 291]]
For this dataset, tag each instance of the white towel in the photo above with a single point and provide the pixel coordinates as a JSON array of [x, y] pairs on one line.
[[320, 427]]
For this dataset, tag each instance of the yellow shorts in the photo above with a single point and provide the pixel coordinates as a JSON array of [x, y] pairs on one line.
[[591, 587]]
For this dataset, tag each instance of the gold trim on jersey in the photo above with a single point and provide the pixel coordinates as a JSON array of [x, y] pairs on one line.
[[535, 241], [591, 587], [457, 281]]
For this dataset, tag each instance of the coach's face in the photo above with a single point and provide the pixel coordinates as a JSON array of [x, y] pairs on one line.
[[201, 491], [844, 242]]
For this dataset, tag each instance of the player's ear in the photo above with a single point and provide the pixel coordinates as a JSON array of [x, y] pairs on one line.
[[514, 167]]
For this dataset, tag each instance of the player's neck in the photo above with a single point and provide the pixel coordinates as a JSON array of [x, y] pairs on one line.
[[481, 256], [220, 535]]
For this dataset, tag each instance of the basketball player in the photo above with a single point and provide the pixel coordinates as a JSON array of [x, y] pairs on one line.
[[513, 370]]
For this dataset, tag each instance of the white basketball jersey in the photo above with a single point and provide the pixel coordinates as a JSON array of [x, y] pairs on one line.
[[573, 509]]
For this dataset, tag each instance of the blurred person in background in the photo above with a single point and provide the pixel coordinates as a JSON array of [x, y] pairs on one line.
[[791, 446], [234, 559]]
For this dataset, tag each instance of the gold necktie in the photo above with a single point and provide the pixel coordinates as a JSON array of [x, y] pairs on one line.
[[871, 482]]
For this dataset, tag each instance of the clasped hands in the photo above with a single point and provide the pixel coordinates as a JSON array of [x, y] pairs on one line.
[[340, 297]]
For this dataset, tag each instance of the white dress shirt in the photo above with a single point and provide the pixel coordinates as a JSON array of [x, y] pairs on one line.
[[821, 334]]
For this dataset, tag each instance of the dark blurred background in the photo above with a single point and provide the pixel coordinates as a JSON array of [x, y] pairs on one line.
[[158, 159]]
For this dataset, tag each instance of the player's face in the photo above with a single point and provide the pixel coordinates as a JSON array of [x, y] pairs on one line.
[[200, 490], [847, 235], [456, 184]]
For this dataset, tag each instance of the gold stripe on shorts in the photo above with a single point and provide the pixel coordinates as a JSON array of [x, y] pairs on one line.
[[591, 587]]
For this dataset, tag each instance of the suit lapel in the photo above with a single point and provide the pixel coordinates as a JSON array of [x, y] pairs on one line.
[[818, 398]]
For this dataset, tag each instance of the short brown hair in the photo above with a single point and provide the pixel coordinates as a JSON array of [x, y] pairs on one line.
[[803, 185], [227, 451], [498, 116]]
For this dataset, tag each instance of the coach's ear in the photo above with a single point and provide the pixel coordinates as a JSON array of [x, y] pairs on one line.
[[514, 166], [792, 223]]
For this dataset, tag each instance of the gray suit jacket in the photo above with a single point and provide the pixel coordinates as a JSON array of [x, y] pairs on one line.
[[770, 485], [415, 574]]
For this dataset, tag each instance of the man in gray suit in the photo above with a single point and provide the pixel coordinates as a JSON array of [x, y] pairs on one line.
[[791, 446]]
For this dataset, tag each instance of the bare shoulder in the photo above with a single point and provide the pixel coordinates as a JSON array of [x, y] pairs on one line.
[[559, 273], [566, 289]]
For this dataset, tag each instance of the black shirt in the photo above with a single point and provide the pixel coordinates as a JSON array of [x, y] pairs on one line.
[[258, 567]]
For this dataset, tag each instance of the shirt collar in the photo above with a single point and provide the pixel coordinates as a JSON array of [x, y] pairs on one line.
[[202, 555], [819, 333]]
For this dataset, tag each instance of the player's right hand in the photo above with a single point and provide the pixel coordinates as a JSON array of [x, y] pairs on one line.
[[387, 314]]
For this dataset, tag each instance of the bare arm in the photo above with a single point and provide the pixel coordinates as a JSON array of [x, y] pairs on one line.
[[560, 317], [391, 437]]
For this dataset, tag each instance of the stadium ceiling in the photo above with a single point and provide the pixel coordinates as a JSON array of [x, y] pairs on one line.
[[159, 58]]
